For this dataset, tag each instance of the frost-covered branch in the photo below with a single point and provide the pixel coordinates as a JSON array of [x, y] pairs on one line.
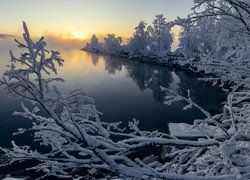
[[231, 129]]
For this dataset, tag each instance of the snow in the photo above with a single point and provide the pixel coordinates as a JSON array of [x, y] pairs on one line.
[[78, 139], [190, 131], [14, 178]]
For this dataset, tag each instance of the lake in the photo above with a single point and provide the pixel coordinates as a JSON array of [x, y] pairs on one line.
[[122, 89]]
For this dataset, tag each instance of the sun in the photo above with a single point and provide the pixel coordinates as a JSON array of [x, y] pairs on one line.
[[77, 35]]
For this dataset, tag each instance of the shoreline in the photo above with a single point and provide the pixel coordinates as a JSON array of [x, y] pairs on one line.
[[165, 61]]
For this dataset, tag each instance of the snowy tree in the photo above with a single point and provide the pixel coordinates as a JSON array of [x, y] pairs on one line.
[[112, 44], [94, 45], [225, 23], [161, 37], [236, 10], [228, 20], [139, 42], [199, 37], [154, 41]]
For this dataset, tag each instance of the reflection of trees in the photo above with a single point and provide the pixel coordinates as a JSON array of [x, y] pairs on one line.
[[112, 65], [95, 58], [154, 76], [144, 75], [203, 93]]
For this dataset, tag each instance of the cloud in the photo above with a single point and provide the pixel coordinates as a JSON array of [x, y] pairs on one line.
[[58, 42], [65, 44], [6, 36]]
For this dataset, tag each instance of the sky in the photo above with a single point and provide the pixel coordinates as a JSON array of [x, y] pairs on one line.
[[85, 17], [79, 19]]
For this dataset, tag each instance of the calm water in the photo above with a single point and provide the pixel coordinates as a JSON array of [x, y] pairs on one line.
[[123, 90]]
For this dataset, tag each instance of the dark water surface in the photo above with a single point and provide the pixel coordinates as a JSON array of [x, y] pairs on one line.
[[123, 90]]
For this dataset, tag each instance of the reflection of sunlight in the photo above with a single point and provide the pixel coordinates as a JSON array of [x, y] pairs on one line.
[[84, 69], [74, 59], [78, 57], [79, 63]]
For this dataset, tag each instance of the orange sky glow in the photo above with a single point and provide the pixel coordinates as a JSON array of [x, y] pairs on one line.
[[72, 23]]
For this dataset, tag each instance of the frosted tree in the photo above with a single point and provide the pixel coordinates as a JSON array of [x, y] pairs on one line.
[[229, 47], [236, 10], [148, 41], [161, 37], [112, 44], [199, 37], [229, 19], [139, 42], [94, 45], [94, 41]]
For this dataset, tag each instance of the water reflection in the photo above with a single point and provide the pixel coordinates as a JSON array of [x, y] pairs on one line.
[[123, 90], [149, 76], [112, 66], [94, 58]]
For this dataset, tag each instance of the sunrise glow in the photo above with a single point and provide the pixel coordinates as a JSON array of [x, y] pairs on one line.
[[78, 35], [81, 19], [75, 35]]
